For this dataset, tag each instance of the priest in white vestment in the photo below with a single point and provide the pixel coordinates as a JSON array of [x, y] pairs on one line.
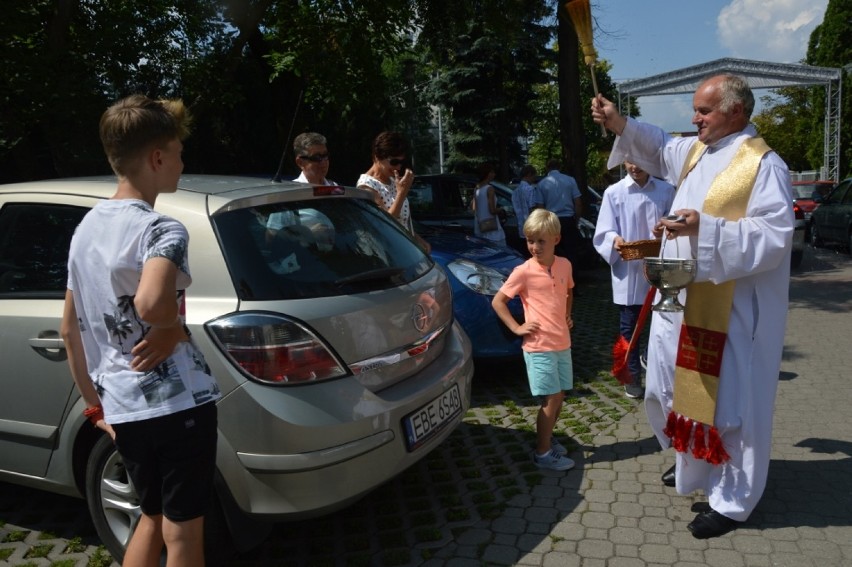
[[754, 253]]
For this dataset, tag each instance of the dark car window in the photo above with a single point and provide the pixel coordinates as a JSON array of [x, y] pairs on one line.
[[838, 194], [845, 198], [34, 240], [420, 198], [457, 196], [317, 248], [504, 201]]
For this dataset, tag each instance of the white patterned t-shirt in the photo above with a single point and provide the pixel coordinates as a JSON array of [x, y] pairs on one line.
[[107, 253]]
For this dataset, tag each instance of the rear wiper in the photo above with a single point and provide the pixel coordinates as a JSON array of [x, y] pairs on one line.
[[377, 274]]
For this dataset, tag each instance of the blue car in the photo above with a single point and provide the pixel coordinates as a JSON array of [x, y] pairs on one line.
[[477, 269]]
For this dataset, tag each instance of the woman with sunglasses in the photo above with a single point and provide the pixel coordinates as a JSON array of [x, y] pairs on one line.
[[390, 181]]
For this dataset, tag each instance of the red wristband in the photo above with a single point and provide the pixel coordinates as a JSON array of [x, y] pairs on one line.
[[94, 414]]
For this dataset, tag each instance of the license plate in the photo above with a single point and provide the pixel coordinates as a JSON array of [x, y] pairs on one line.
[[426, 422]]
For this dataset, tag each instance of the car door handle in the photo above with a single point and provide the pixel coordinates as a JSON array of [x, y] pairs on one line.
[[49, 345]]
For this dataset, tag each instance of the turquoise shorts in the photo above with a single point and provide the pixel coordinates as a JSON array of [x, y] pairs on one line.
[[549, 372]]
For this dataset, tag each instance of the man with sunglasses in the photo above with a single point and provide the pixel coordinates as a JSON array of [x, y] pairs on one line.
[[312, 158]]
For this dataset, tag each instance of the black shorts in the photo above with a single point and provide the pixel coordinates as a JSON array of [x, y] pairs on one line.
[[171, 461]]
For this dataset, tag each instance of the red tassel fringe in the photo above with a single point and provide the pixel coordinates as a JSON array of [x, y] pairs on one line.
[[619, 360], [716, 453], [699, 446], [684, 432], [671, 422]]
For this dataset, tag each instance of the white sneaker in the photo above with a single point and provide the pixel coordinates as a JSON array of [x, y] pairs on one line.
[[634, 391], [553, 461], [558, 447]]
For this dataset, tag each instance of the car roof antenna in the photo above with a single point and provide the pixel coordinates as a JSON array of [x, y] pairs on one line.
[[277, 177]]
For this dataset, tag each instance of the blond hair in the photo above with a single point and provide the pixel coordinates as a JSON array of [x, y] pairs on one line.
[[136, 124], [542, 222]]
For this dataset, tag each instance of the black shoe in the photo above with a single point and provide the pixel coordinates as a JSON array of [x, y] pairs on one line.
[[668, 477], [700, 507], [711, 524]]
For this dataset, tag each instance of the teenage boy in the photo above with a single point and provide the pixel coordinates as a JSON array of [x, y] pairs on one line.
[[144, 382]]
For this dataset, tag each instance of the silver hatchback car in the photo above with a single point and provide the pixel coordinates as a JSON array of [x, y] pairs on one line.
[[329, 330]]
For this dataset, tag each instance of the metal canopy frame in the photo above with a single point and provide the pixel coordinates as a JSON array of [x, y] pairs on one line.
[[760, 75]]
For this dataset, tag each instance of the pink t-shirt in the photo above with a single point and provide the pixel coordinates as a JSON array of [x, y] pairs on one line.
[[543, 293]]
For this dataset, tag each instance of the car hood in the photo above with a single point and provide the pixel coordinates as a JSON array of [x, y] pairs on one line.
[[448, 246]]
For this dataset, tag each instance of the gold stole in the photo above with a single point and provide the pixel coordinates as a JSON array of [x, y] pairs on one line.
[[707, 313]]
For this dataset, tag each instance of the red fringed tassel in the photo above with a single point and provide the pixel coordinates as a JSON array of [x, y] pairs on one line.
[[671, 424], [683, 431], [619, 360], [699, 447], [716, 453]]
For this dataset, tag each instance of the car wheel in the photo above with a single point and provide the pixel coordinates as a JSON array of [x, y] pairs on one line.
[[816, 239], [112, 500]]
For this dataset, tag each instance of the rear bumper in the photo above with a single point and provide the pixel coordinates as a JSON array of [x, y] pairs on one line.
[[313, 466]]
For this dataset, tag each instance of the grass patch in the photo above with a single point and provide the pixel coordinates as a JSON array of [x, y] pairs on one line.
[[396, 557], [483, 497], [75, 545], [100, 558], [16, 535], [39, 551], [457, 514], [428, 534]]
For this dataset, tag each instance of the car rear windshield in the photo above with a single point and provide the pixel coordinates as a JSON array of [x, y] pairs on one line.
[[803, 191], [316, 248]]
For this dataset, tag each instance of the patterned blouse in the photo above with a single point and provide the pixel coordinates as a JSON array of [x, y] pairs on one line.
[[388, 194]]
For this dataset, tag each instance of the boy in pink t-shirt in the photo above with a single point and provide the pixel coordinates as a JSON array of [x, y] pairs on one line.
[[544, 284]]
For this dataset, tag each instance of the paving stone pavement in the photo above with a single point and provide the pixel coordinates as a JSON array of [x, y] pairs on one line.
[[478, 499]]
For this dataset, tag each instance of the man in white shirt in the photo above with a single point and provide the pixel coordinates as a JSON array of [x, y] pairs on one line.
[[525, 197]]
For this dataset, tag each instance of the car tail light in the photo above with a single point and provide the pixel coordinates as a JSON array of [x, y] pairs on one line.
[[274, 349], [797, 210]]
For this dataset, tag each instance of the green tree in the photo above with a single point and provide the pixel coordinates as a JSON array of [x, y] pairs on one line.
[[64, 61], [546, 142], [784, 123], [487, 61], [829, 46]]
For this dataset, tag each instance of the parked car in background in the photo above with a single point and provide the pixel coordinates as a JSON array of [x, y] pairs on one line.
[[808, 195], [477, 270], [332, 339], [444, 200], [831, 221]]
